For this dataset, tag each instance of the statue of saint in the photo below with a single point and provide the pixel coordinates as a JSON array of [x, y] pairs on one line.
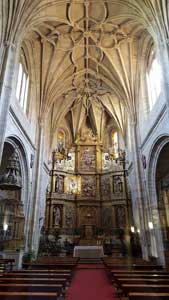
[[59, 185], [56, 216]]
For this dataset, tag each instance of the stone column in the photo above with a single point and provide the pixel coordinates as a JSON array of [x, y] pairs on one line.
[[36, 189], [6, 83], [137, 192], [164, 59]]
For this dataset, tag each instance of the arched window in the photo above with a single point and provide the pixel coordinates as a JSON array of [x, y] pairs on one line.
[[22, 87], [115, 144], [154, 78]]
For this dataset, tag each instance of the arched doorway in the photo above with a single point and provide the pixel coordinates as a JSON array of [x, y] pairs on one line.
[[158, 171], [162, 188], [13, 202]]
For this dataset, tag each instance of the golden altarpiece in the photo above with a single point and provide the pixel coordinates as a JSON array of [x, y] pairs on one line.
[[88, 195]]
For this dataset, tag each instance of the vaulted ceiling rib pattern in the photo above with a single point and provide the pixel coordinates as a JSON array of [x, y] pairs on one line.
[[86, 53]]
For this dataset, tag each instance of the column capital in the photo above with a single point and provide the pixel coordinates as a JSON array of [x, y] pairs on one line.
[[8, 44]]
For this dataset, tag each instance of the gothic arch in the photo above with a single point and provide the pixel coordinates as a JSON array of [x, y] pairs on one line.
[[156, 148], [16, 142], [153, 209]]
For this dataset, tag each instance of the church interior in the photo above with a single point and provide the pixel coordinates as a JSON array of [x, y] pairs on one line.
[[84, 149]]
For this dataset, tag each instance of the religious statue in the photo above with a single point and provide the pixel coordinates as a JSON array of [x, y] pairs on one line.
[[117, 184], [56, 216], [73, 186], [59, 185]]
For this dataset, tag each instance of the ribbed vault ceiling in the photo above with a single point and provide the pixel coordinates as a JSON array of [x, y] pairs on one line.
[[86, 54]]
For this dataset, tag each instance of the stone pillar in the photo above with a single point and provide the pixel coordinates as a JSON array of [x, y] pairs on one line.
[[164, 59], [6, 83], [36, 195], [137, 192]]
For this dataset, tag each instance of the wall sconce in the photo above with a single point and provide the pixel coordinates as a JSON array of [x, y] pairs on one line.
[[138, 230], [5, 226], [132, 229], [150, 225]]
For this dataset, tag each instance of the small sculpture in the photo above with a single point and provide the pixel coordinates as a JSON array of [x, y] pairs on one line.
[[56, 216]]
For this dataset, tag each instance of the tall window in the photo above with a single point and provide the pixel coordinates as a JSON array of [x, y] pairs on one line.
[[115, 144], [154, 78], [22, 86]]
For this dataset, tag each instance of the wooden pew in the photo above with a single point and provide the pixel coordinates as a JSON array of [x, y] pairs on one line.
[[52, 262], [29, 287], [141, 276], [6, 264], [163, 272], [33, 274], [135, 267], [33, 280], [149, 296], [145, 288], [45, 271], [47, 266], [121, 281], [27, 296]]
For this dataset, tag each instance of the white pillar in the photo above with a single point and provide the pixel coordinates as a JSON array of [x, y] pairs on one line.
[[137, 192], [34, 233], [6, 82], [164, 58]]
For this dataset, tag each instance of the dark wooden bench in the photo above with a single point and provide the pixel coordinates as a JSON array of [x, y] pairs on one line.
[[135, 267], [45, 271], [24, 287], [145, 288], [37, 275], [143, 275], [149, 296], [121, 281], [41, 280], [33, 280], [7, 264], [48, 266], [27, 296], [140, 271]]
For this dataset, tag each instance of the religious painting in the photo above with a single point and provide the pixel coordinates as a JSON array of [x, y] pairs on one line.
[[88, 188], [87, 159], [117, 184], [107, 217], [72, 184], [70, 216], [88, 215]]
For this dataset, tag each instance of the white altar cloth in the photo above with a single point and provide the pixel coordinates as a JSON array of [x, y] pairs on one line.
[[88, 251]]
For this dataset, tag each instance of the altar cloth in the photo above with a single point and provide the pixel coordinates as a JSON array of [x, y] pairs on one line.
[[88, 251]]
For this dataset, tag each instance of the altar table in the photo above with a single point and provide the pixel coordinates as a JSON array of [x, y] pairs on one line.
[[88, 251]]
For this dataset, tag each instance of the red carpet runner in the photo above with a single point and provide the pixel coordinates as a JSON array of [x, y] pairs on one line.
[[91, 284]]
